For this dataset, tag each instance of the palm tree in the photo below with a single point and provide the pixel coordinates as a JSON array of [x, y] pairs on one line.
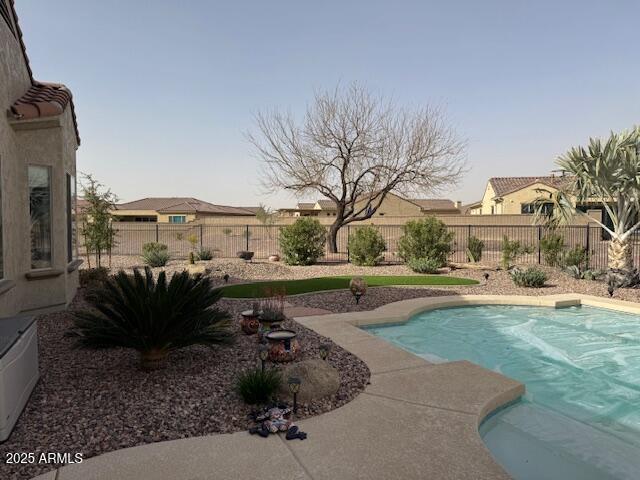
[[607, 173]]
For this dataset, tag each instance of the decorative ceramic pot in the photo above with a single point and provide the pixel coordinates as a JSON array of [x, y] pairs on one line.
[[266, 327], [283, 345], [274, 258], [249, 322]]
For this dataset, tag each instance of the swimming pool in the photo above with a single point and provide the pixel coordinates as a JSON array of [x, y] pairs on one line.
[[580, 417]]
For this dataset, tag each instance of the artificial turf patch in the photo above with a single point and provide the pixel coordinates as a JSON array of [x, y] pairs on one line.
[[294, 287]]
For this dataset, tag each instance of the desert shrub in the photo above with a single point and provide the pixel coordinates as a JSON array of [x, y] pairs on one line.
[[272, 307], [576, 256], [428, 238], [530, 277], [152, 316], [256, 386], [155, 254], [366, 246], [551, 247], [153, 247], [226, 231], [511, 251], [245, 255], [92, 278], [424, 265], [205, 254], [302, 243], [474, 249]]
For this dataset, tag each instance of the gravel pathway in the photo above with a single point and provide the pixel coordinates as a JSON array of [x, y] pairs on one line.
[[94, 402]]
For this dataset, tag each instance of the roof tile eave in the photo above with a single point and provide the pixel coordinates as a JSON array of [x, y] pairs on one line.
[[34, 82]]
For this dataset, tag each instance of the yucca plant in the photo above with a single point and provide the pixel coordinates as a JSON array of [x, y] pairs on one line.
[[152, 316], [606, 173]]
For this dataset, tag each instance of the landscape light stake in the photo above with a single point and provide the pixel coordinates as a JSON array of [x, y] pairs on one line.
[[610, 290], [324, 350], [294, 386], [486, 277], [263, 352], [226, 278]]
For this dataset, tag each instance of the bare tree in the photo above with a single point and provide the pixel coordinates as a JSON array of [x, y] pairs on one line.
[[354, 148]]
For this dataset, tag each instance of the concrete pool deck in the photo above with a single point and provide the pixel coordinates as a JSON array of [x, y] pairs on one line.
[[415, 420]]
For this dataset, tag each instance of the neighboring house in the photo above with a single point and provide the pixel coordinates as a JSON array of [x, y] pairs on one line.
[[176, 210], [515, 195], [392, 206], [38, 143], [474, 208]]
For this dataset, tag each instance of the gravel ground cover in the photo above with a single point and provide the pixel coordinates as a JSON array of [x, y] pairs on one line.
[[98, 401], [499, 282], [94, 402]]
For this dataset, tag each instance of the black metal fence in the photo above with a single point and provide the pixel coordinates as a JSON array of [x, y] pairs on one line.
[[226, 241]]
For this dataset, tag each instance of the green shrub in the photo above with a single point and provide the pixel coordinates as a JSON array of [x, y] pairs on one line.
[[152, 316], [153, 247], [511, 250], [474, 249], [428, 238], [576, 256], [155, 254], [551, 247], [424, 265], [531, 277], [302, 243], [258, 387], [205, 254], [366, 246]]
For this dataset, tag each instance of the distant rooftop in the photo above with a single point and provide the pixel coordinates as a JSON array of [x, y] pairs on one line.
[[184, 205], [505, 185]]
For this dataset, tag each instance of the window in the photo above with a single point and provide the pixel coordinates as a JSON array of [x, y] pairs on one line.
[[40, 213], [493, 209], [177, 219], [530, 208], [72, 252]]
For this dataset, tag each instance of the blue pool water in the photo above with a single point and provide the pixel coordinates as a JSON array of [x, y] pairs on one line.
[[580, 417]]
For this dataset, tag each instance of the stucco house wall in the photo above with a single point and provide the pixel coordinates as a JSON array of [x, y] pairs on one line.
[[394, 206], [49, 141]]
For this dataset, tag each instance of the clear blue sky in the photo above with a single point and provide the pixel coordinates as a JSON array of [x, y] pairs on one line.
[[165, 90]]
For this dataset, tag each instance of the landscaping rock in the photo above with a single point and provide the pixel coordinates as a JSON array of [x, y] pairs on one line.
[[193, 269], [319, 380]]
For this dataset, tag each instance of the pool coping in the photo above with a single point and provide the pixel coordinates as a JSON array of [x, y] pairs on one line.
[[345, 330]]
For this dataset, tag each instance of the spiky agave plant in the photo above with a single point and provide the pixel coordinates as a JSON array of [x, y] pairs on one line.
[[152, 316], [606, 173]]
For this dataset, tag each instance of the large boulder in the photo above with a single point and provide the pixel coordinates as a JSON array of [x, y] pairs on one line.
[[318, 380]]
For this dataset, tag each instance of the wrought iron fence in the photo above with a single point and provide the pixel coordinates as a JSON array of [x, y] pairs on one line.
[[263, 240]]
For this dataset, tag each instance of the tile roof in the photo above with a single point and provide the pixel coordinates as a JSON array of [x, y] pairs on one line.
[[434, 203], [466, 209], [42, 99], [305, 205], [327, 204], [505, 185], [182, 205]]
